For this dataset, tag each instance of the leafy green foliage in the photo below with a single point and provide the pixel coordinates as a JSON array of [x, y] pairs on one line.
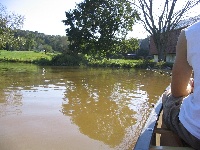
[[115, 63], [39, 42], [12, 38], [59, 59], [34, 41], [8, 23], [128, 46], [66, 60], [95, 26], [145, 63]]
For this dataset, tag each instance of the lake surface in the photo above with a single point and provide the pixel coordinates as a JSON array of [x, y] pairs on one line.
[[63, 108]]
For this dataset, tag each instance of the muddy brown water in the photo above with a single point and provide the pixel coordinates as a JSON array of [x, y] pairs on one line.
[[73, 108]]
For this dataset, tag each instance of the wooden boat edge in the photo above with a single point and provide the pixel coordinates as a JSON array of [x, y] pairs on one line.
[[145, 137], [150, 129]]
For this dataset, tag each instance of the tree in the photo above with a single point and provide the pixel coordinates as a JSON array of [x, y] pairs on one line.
[[47, 48], [8, 23], [29, 40], [94, 25], [159, 21], [129, 46]]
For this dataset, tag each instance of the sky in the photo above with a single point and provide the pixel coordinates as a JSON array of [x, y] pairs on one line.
[[45, 16]]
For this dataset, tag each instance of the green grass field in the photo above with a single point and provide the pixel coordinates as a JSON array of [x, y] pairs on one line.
[[41, 58], [24, 56]]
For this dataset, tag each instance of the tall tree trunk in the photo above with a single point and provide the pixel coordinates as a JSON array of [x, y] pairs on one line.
[[161, 42], [161, 55]]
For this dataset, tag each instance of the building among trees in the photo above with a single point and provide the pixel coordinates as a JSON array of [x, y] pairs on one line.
[[172, 40]]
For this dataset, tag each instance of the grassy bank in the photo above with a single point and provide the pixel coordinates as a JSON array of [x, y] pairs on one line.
[[41, 58], [24, 56], [116, 63], [123, 63]]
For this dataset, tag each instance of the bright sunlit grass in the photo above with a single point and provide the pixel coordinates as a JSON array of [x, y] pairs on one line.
[[24, 56]]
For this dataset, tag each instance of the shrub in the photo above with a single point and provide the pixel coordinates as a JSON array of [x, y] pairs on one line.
[[145, 63], [42, 61], [66, 60]]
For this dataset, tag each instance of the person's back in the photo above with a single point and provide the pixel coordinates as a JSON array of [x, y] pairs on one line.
[[181, 107], [190, 109]]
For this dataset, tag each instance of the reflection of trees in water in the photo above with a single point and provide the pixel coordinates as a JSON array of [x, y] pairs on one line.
[[99, 118], [103, 107], [12, 104], [111, 107], [14, 78], [107, 105]]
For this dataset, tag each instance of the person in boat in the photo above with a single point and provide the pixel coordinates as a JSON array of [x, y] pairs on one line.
[[181, 105]]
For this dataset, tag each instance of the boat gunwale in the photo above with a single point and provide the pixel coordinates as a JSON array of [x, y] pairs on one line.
[[148, 132], [144, 140]]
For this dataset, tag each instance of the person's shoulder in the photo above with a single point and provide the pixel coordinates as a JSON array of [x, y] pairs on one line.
[[193, 30], [194, 26]]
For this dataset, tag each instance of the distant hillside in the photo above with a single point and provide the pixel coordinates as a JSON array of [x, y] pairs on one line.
[[35, 41]]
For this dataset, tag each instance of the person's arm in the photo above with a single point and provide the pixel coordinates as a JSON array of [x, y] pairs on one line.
[[181, 72]]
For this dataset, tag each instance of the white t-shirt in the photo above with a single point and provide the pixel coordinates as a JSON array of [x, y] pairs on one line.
[[190, 109]]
